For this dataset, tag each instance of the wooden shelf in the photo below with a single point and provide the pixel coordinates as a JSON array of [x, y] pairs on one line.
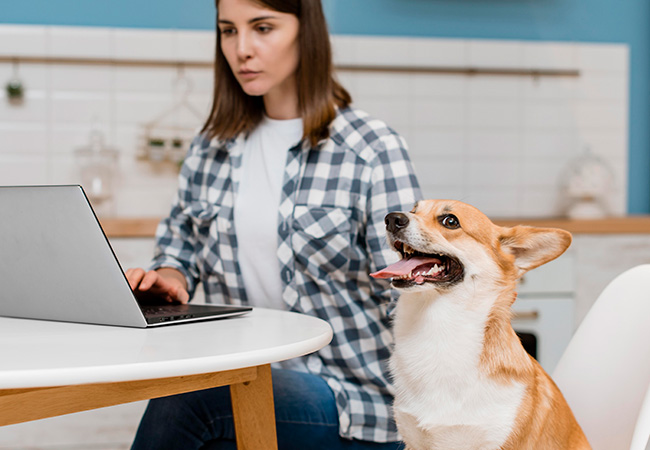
[[144, 227]]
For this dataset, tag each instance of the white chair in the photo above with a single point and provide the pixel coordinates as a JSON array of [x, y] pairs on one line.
[[605, 371], [641, 437]]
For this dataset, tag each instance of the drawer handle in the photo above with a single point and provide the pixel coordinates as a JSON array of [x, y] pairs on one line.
[[525, 315]]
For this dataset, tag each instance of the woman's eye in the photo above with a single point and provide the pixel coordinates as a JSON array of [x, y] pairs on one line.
[[227, 31], [449, 221], [264, 28]]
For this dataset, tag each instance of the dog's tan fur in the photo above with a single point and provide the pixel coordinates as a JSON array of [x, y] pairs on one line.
[[534, 415]]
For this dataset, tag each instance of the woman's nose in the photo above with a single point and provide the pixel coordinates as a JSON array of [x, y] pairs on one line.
[[244, 47]]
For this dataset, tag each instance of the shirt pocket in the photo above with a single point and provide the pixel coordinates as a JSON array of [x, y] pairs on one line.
[[323, 239], [211, 231]]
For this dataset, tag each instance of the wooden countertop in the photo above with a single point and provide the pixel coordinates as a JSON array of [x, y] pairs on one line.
[[130, 227], [609, 225], [143, 227]]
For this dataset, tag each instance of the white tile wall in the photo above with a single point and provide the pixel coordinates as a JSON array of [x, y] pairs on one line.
[[491, 54], [79, 42], [499, 142], [23, 40]]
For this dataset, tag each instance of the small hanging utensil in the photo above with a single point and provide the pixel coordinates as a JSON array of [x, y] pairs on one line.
[[14, 88], [165, 139]]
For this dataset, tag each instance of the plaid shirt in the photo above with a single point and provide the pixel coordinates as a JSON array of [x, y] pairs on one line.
[[331, 235]]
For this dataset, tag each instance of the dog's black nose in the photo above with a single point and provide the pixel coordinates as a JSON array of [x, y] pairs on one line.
[[396, 221]]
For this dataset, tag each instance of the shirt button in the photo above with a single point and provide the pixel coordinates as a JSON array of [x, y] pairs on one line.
[[287, 275]]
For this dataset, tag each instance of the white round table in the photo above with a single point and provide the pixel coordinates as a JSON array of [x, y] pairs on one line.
[[54, 368]]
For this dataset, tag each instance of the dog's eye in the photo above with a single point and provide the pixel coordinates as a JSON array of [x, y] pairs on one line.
[[449, 221]]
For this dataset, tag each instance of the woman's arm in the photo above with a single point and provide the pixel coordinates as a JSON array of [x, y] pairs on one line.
[[176, 242], [393, 187]]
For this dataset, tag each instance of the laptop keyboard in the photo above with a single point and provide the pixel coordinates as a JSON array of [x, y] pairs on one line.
[[155, 314], [164, 310]]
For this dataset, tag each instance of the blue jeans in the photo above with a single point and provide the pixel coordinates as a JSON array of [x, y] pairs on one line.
[[305, 413]]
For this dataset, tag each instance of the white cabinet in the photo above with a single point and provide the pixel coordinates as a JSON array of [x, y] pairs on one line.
[[562, 291], [602, 257], [545, 307], [550, 319], [133, 252]]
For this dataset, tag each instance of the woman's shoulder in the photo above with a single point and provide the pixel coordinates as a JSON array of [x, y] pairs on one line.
[[351, 120], [361, 132], [204, 145]]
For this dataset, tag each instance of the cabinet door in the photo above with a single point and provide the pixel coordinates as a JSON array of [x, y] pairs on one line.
[[133, 252], [553, 278], [550, 319]]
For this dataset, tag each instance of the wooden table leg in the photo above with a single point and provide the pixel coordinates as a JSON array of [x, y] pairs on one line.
[[254, 413]]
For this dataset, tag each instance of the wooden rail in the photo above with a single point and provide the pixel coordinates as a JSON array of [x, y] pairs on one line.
[[144, 227], [470, 71]]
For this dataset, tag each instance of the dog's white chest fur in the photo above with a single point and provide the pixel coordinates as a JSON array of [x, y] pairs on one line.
[[443, 400]]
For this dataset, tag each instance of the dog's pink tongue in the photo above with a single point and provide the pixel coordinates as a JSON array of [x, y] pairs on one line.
[[404, 267]]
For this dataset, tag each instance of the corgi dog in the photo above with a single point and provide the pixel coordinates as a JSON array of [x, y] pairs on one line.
[[462, 378]]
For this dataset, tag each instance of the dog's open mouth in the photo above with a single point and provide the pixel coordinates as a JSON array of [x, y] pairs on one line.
[[418, 268]]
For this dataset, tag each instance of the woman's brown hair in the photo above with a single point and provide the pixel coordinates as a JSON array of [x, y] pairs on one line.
[[233, 111]]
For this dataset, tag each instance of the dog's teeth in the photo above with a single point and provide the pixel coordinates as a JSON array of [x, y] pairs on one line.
[[434, 270]]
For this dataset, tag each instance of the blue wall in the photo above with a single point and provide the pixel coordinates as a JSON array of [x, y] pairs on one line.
[[626, 21]]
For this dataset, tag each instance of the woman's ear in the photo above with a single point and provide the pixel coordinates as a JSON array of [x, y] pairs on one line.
[[533, 246]]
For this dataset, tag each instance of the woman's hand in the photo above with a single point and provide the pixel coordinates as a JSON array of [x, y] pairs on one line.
[[166, 284]]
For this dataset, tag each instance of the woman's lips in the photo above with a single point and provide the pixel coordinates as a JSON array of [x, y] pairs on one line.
[[248, 74]]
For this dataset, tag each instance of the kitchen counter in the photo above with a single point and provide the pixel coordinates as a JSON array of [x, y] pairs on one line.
[[610, 225], [138, 227], [129, 227]]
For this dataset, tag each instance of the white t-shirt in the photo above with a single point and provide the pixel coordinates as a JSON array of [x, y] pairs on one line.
[[256, 208]]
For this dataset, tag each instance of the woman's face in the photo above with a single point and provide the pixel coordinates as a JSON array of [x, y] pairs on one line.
[[261, 47]]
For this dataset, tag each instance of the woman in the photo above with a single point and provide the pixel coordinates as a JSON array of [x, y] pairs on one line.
[[281, 204]]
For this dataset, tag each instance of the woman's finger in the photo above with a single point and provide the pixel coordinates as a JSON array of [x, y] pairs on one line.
[[179, 294], [151, 279], [134, 277]]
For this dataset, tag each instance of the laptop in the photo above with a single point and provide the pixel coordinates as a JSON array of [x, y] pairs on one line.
[[57, 264]]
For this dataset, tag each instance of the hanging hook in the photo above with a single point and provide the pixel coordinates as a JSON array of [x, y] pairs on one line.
[[182, 82]]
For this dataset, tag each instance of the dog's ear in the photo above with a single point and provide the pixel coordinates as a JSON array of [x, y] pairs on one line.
[[533, 246]]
